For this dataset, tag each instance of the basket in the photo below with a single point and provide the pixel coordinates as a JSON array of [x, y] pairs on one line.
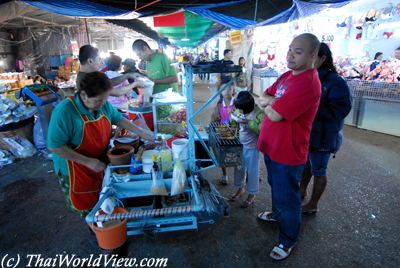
[[228, 152]]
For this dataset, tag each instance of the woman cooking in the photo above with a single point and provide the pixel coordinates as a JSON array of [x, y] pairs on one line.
[[79, 135]]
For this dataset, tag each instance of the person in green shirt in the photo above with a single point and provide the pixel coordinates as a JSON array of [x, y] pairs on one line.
[[79, 134], [158, 67]]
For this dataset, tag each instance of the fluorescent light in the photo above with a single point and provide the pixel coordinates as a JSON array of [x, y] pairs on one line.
[[185, 39], [103, 55]]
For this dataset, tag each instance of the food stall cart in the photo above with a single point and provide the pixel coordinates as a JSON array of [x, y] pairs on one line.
[[200, 201]]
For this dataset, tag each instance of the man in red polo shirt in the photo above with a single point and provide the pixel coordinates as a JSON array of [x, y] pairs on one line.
[[290, 105]]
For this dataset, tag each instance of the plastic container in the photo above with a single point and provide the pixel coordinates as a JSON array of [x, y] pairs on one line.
[[180, 149], [147, 161], [135, 165]]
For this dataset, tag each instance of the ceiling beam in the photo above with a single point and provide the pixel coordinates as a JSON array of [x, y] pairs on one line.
[[45, 22]]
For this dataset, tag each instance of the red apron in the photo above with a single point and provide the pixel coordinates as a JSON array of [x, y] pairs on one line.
[[85, 184]]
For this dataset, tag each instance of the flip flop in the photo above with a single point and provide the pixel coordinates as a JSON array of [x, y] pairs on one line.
[[266, 216], [249, 202], [237, 195], [280, 252], [309, 212]]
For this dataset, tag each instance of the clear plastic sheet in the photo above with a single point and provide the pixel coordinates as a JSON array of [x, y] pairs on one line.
[[215, 205]]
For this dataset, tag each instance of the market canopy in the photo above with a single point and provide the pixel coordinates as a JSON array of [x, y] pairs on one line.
[[42, 14], [16, 14], [82, 9], [248, 14], [301, 9], [203, 18]]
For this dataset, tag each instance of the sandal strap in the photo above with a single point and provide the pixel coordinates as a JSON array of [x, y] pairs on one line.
[[266, 216], [282, 251]]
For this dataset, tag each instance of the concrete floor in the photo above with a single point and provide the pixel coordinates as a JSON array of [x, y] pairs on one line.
[[357, 226]]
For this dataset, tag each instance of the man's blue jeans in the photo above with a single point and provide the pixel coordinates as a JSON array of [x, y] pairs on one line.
[[286, 203]]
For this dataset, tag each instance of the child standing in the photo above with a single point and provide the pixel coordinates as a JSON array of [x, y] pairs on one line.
[[222, 114], [249, 119]]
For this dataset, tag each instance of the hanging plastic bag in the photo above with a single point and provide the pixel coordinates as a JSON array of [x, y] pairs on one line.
[[158, 185], [179, 179], [38, 138], [147, 87], [140, 122]]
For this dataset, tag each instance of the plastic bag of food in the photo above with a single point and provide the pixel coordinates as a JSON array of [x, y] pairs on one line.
[[19, 146], [5, 158], [166, 157], [179, 179], [157, 185]]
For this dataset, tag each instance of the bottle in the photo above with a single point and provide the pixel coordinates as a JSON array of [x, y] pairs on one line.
[[155, 165], [158, 186], [166, 157], [182, 130]]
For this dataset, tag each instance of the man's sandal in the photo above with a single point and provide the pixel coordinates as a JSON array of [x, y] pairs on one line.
[[266, 216], [280, 252]]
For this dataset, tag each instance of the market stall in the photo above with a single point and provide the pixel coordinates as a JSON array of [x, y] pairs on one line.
[[355, 33], [172, 201]]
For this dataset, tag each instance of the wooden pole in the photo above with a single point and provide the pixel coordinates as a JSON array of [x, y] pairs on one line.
[[87, 32]]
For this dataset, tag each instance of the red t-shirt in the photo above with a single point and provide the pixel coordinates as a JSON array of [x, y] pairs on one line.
[[287, 141]]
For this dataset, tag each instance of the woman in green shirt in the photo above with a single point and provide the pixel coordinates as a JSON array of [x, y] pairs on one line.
[[79, 134]]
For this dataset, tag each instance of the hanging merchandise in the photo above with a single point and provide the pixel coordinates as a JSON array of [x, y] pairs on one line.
[[271, 57], [386, 13], [397, 10], [371, 15], [359, 32], [387, 34], [342, 23]]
